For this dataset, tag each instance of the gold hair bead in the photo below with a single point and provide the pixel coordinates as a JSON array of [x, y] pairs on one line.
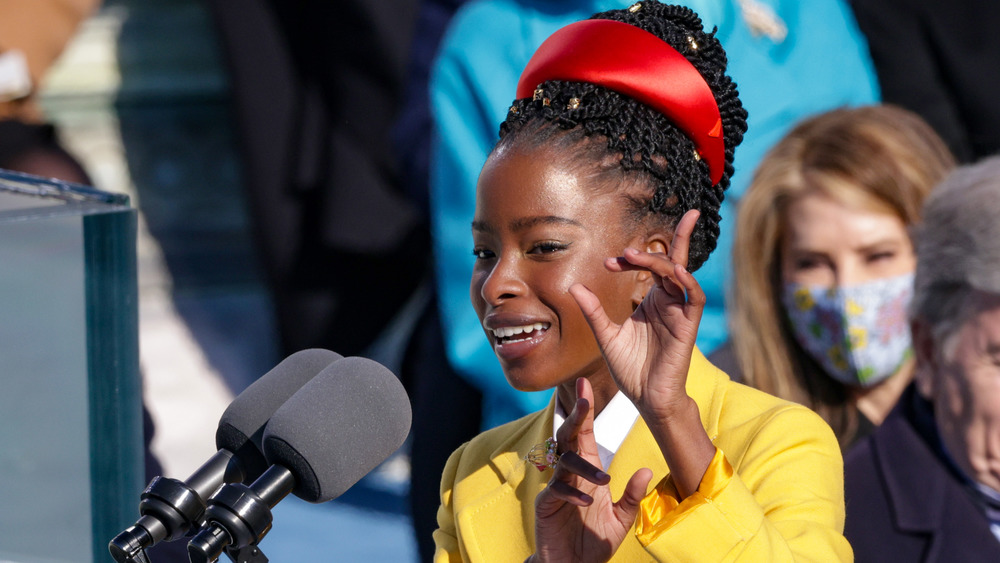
[[573, 103], [635, 7], [513, 109], [697, 156], [546, 102], [692, 43], [538, 94]]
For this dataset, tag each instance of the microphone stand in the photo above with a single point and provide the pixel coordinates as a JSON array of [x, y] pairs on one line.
[[169, 508], [239, 516]]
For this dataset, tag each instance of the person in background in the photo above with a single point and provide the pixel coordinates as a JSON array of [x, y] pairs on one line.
[[825, 264], [316, 86], [32, 36], [937, 59], [925, 486]]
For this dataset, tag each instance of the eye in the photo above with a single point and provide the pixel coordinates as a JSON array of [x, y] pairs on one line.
[[804, 263], [881, 256], [547, 247], [482, 253]]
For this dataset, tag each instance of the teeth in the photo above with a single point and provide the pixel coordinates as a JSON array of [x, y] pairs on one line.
[[508, 331]]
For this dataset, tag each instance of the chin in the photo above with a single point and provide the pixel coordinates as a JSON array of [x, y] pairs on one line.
[[527, 383]]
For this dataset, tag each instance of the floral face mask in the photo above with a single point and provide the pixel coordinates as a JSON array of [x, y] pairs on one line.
[[859, 334]]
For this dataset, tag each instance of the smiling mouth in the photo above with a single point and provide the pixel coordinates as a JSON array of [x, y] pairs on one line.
[[512, 334]]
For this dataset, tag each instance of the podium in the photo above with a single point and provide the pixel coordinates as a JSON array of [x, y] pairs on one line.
[[71, 460]]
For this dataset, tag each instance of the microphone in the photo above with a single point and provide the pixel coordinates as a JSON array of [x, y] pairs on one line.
[[170, 507], [336, 429]]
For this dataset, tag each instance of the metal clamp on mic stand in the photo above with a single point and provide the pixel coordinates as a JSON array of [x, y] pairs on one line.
[[170, 508], [239, 516]]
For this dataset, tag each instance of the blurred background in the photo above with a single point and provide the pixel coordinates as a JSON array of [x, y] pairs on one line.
[[143, 97]]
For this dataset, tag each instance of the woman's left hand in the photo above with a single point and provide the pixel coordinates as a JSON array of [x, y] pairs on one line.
[[649, 354], [575, 517]]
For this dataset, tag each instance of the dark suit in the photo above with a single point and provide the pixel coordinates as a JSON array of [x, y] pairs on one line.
[[904, 503], [316, 86], [940, 60]]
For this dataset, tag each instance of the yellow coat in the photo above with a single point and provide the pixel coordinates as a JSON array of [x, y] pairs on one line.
[[785, 501]]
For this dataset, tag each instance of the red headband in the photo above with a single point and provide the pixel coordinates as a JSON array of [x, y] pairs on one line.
[[636, 63]]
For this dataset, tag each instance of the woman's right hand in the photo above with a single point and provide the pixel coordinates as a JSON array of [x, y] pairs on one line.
[[575, 517]]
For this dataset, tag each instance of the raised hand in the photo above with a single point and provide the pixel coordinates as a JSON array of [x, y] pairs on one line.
[[650, 352], [575, 517]]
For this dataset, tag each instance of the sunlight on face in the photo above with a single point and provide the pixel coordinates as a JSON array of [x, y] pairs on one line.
[[829, 244], [966, 391], [539, 227]]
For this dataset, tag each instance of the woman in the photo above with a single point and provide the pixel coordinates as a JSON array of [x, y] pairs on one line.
[[824, 264], [603, 190]]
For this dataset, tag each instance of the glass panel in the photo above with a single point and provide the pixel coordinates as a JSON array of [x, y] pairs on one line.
[[70, 418]]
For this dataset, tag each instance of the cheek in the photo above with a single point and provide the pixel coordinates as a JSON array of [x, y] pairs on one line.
[[615, 290], [984, 390], [476, 292]]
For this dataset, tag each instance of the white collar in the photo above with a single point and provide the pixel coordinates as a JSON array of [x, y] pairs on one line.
[[610, 427]]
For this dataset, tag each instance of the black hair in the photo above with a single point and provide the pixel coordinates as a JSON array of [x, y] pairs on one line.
[[641, 140]]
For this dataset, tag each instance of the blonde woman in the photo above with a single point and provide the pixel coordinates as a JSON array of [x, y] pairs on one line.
[[823, 263]]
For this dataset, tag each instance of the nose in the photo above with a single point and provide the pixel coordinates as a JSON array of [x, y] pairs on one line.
[[848, 273], [504, 281]]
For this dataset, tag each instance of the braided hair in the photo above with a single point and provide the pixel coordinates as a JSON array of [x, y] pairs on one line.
[[642, 143]]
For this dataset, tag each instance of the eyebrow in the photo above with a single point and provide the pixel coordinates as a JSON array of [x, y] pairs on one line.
[[867, 247], [525, 223]]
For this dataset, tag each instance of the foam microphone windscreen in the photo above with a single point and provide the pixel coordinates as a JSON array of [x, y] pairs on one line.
[[242, 424], [338, 427]]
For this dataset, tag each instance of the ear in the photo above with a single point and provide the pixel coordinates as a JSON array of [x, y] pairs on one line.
[[925, 350], [656, 242]]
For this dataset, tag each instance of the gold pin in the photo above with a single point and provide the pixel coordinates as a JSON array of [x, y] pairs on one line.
[[692, 43], [513, 109], [635, 7], [697, 156], [543, 456], [546, 102], [573, 103], [538, 94]]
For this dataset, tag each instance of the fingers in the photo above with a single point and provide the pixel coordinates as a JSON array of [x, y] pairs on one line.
[[681, 242], [680, 245], [672, 276], [577, 433], [594, 313], [571, 466], [579, 458], [566, 483], [628, 506], [695, 295]]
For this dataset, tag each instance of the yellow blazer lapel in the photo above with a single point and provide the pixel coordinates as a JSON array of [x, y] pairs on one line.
[[487, 525]]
